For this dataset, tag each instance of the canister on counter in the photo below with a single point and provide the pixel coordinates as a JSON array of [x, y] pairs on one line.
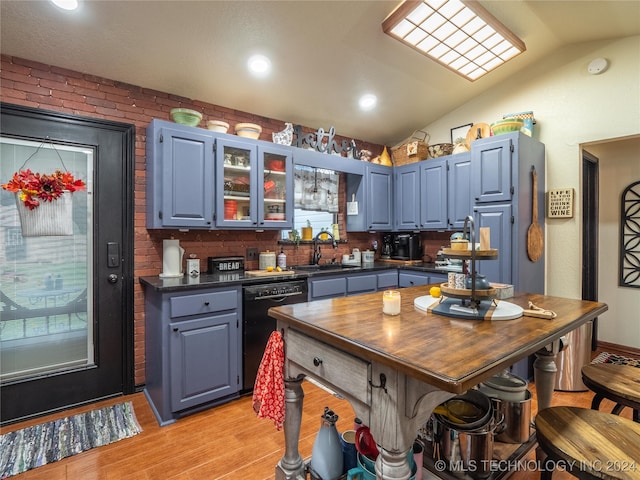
[[267, 259], [193, 267]]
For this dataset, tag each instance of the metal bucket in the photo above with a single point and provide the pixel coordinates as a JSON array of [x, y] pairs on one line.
[[517, 419], [468, 449]]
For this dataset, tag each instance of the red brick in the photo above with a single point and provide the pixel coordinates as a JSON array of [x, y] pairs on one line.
[[47, 75], [53, 85], [65, 72], [29, 88], [30, 63]]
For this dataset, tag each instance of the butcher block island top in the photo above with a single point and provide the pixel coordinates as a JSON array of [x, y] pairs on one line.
[[452, 354], [394, 370]]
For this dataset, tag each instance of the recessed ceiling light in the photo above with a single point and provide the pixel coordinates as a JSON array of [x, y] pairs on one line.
[[66, 4], [459, 34], [259, 65], [368, 102]]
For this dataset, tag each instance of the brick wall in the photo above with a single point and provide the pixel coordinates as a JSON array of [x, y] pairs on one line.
[[38, 85]]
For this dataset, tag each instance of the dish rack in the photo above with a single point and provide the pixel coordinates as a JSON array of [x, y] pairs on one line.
[[470, 298]]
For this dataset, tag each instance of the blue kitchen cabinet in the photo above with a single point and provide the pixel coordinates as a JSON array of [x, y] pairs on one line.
[[379, 197], [254, 188], [502, 186], [459, 204], [433, 195], [497, 217], [373, 194], [445, 198], [322, 287], [407, 197], [193, 350], [502, 189], [409, 278], [491, 169], [180, 176]]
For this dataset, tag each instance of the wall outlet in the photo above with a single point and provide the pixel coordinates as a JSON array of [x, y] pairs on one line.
[[252, 253]]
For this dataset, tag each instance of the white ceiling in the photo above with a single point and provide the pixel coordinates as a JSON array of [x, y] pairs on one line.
[[325, 54]]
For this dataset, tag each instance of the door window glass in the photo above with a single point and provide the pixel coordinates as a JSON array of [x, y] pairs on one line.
[[45, 281]]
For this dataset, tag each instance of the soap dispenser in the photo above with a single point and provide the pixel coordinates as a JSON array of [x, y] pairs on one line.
[[282, 259]]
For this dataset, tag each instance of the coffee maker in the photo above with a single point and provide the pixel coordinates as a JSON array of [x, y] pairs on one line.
[[406, 246], [387, 242]]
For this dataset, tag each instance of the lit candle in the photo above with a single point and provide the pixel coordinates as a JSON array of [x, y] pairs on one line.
[[391, 302]]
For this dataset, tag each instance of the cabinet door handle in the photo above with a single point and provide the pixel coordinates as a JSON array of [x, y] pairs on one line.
[[317, 361], [175, 329], [206, 304]]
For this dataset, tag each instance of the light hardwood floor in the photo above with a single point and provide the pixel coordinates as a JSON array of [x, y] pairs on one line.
[[227, 442]]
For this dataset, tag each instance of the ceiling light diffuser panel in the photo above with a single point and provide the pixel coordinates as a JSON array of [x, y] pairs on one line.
[[459, 34]]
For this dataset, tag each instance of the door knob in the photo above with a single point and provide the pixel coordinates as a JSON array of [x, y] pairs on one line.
[[113, 278]]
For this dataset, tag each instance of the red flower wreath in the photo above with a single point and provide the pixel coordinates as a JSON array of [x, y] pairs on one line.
[[34, 187]]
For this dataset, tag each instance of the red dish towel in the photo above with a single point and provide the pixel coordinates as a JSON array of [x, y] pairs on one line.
[[268, 391]]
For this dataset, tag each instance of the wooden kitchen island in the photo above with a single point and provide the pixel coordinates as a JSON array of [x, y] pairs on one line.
[[394, 370]]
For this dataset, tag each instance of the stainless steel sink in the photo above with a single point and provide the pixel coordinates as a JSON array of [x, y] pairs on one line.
[[323, 267]]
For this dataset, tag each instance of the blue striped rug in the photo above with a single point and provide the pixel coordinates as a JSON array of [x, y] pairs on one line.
[[49, 442]]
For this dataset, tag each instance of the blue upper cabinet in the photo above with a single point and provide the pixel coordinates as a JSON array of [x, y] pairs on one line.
[[459, 201], [407, 195], [433, 197], [254, 187], [379, 197], [200, 179], [491, 169], [180, 176], [275, 187]]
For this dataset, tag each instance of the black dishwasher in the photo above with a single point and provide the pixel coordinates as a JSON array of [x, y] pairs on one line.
[[257, 325]]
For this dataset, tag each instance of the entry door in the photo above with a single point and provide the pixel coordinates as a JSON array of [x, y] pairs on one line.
[[66, 291]]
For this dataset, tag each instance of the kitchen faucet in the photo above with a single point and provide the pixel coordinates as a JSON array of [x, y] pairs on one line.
[[316, 248]]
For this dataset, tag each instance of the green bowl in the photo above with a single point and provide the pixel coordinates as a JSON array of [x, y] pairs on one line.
[[506, 126], [184, 116]]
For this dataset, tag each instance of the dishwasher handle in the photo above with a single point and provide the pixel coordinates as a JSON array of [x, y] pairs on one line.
[[278, 298]]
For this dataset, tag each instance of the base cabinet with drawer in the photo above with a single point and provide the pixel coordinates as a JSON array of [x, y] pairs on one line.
[[193, 350], [416, 279], [351, 284]]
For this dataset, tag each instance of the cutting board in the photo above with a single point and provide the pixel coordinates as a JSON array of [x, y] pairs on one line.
[[264, 273]]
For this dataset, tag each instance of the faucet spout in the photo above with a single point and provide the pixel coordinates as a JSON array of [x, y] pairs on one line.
[[316, 248]]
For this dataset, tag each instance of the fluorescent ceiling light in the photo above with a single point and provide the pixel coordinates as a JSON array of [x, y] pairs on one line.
[[259, 65], [66, 4], [368, 102], [458, 34]]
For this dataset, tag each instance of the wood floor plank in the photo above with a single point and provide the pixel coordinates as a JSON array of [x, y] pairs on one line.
[[223, 443]]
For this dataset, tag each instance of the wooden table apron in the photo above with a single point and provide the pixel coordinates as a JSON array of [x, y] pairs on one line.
[[394, 370]]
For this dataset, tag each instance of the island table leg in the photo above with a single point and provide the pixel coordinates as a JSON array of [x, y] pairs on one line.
[[291, 465]]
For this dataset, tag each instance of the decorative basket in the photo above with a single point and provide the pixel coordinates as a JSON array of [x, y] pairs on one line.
[[440, 150], [416, 149], [48, 219]]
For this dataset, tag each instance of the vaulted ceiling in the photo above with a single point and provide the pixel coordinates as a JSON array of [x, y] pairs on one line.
[[325, 54]]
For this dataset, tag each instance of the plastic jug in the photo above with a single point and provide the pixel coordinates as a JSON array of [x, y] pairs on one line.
[[326, 456]]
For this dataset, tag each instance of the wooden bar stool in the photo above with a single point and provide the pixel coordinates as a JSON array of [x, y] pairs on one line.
[[619, 383], [588, 443]]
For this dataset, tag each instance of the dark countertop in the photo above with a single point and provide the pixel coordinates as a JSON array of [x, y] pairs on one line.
[[206, 280]]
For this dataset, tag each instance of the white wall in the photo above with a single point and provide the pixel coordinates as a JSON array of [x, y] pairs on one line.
[[619, 166], [571, 108]]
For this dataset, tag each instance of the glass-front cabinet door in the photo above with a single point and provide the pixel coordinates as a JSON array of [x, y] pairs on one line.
[[255, 185], [236, 201], [275, 193]]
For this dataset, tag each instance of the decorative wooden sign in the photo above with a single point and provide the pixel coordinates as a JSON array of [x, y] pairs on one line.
[[560, 203]]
